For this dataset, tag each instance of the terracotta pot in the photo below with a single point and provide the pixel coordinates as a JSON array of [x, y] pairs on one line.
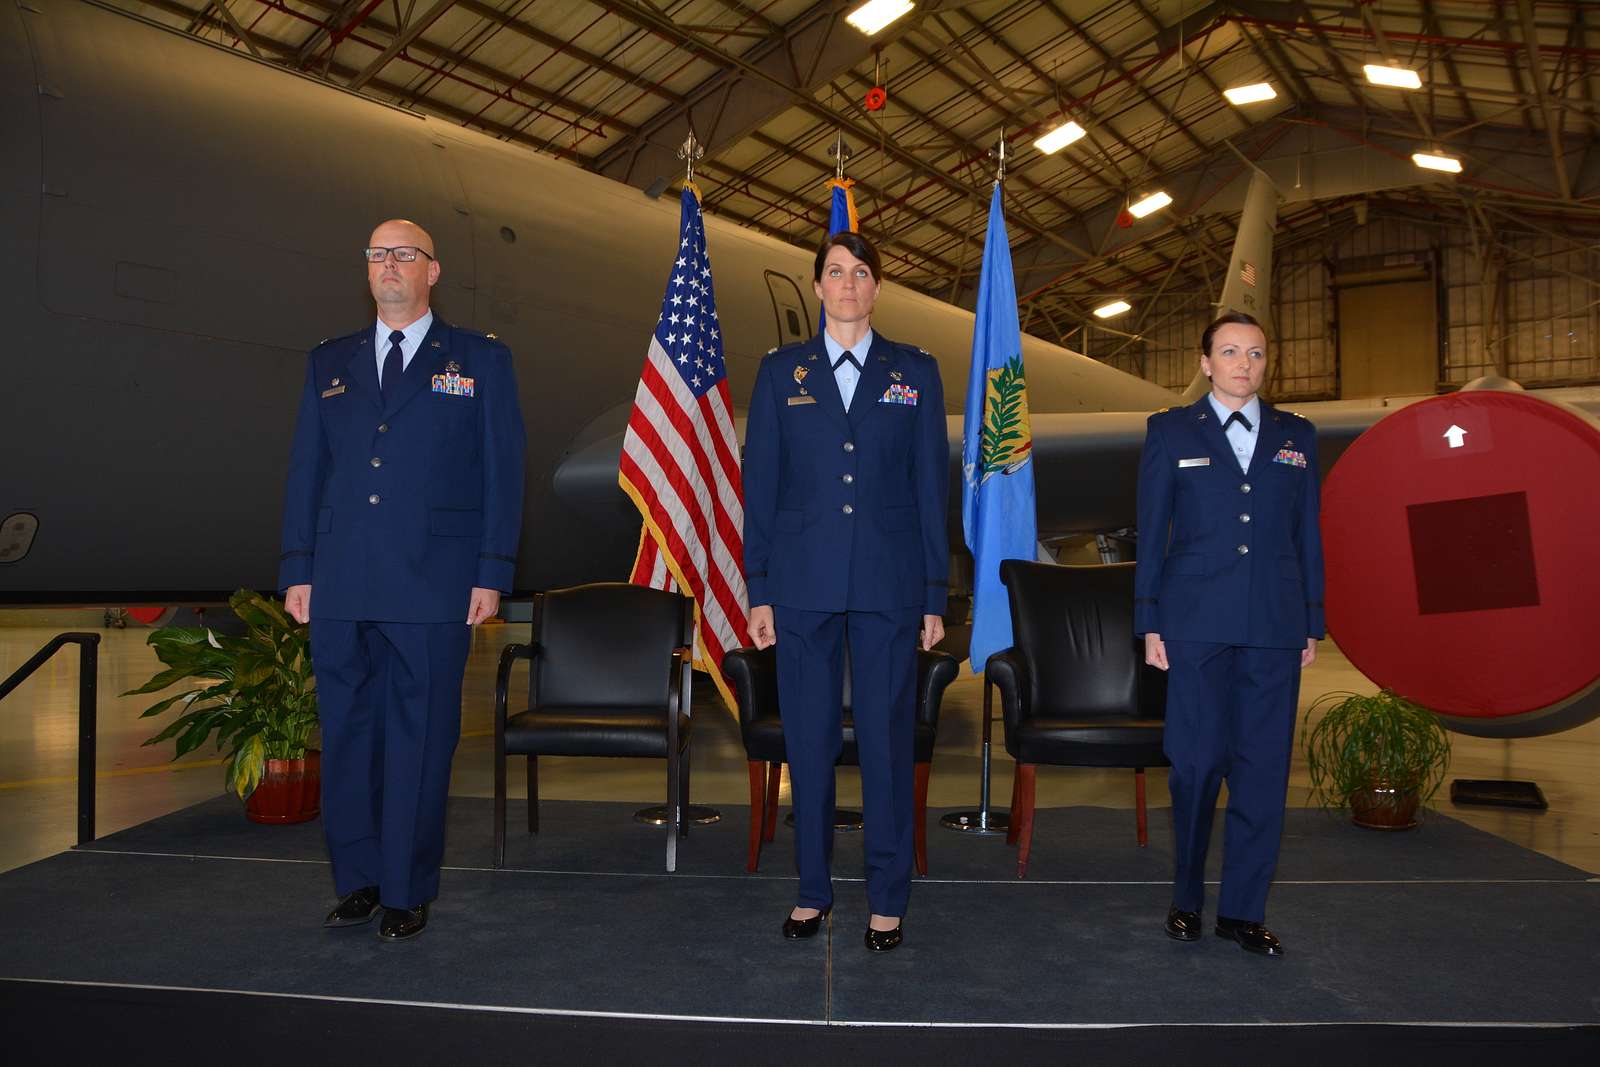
[[1383, 806], [290, 791]]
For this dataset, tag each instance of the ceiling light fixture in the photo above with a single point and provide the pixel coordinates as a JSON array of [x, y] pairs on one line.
[[1393, 77], [1116, 307], [1154, 202], [1432, 160], [874, 15], [1059, 138], [1240, 95]]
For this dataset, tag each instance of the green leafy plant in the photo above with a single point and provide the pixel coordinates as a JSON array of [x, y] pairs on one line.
[[1380, 744], [255, 691]]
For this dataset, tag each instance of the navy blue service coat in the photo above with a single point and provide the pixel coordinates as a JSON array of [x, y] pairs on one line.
[[1242, 564], [394, 512], [846, 511]]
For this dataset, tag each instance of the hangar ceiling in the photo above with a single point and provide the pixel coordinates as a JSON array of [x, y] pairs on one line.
[[771, 87]]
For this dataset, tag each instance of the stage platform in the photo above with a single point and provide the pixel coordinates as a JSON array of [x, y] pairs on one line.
[[200, 932]]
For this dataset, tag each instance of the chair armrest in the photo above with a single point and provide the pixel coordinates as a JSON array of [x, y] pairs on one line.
[[935, 672], [1007, 671], [677, 692], [502, 685], [753, 674]]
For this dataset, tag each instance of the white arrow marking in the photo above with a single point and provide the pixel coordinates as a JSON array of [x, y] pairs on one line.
[[1457, 435]]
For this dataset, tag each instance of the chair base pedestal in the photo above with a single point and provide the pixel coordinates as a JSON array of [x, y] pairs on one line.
[[845, 821], [979, 823], [695, 814]]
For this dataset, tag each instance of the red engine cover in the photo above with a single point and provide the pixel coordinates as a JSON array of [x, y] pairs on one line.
[[1462, 538]]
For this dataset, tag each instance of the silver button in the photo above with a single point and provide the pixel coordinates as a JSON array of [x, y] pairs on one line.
[[1245, 488], [1245, 517], [376, 462], [848, 479], [849, 446], [383, 427], [848, 510], [1244, 550], [373, 499]]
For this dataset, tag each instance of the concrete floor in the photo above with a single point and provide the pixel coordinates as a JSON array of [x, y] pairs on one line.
[[38, 746]]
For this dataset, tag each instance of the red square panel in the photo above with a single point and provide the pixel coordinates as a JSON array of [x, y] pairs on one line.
[[1473, 554]]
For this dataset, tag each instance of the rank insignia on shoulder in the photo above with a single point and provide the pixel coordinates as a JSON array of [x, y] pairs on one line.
[[899, 394], [492, 337], [800, 374], [435, 344], [771, 350], [453, 385]]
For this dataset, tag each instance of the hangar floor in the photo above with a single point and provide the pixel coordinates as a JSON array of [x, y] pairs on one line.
[[38, 738]]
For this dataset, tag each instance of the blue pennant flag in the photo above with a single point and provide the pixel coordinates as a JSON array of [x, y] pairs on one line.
[[997, 501], [841, 217]]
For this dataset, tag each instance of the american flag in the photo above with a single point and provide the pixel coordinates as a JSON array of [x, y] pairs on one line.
[[680, 457], [1247, 274]]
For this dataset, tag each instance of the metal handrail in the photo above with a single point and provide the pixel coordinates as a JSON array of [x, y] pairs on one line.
[[88, 688]]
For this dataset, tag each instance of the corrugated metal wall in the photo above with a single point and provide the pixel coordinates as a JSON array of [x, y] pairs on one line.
[[1546, 322]]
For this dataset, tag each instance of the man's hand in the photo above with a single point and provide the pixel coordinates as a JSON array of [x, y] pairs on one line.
[[1309, 656], [932, 631], [763, 632], [1155, 651], [485, 604], [297, 602]]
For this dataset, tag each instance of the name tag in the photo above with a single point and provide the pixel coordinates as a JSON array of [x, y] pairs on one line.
[[1202, 461], [335, 391], [797, 400]]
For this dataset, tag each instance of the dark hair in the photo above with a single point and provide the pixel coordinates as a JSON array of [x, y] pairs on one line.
[[1229, 318], [857, 246]]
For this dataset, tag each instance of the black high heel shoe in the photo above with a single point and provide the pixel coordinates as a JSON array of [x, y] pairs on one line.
[[883, 940], [800, 929]]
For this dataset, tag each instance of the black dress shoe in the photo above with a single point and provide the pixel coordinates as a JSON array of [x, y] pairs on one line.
[[1183, 925], [356, 908], [402, 923], [799, 929], [883, 940], [1252, 937]]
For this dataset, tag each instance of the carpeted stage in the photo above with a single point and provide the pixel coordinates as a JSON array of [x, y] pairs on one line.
[[199, 934]]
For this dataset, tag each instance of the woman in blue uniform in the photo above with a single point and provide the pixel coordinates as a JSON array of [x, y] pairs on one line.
[[845, 479], [1229, 599]]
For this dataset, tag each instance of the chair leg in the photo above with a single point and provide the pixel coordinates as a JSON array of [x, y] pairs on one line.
[[920, 826], [500, 808], [1138, 807], [758, 794], [533, 794], [1015, 822], [683, 793], [1025, 802], [774, 780]]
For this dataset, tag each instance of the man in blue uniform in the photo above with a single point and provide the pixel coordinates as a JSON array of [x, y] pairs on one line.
[[400, 529], [846, 470], [1229, 600]]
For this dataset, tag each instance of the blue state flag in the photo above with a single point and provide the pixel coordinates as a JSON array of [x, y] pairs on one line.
[[997, 500]]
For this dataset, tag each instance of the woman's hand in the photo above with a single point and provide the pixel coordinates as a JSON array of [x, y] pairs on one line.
[[932, 631], [1309, 656], [762, 631], [1155, 651]]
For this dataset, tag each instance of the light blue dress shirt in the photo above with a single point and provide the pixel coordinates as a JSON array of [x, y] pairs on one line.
[[847, 375], [408, 347], [1241, 440]]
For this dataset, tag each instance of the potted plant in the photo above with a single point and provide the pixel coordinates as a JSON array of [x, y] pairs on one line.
[[1380, 755], [256, 692]]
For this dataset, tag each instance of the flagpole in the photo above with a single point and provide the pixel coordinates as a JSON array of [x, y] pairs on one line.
[[693, 814], [985, 822]]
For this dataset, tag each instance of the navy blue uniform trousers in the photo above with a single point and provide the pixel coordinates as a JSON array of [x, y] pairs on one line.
[[389, 698], [1230, 714], [883, 675]]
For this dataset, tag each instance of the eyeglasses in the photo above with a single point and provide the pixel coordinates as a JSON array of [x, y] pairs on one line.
[[402, 254]]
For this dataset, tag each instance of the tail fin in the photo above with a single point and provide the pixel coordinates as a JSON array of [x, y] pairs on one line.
[[1249, 281]]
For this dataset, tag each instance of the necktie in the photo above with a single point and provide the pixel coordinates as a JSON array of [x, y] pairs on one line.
[[1237, 416], [393, 366], [851, 358]]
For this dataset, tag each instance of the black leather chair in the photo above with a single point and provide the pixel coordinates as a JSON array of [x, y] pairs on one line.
[[754, 676], [609, 676], [1074, 687]]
